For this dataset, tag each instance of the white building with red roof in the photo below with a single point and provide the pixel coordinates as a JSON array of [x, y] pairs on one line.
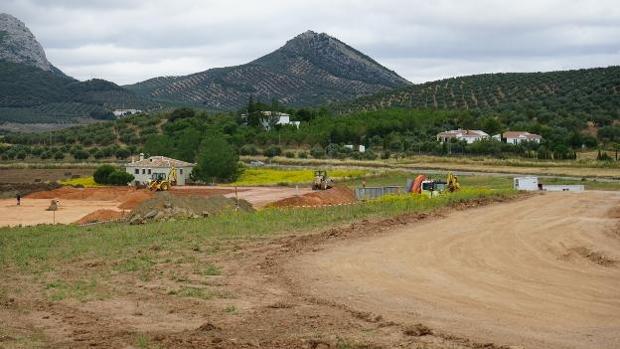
[[516, 137], [144, 169], [469, 136]]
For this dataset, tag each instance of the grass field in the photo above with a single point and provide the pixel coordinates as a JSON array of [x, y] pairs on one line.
[[387, 178], [273, 176], [42, 248], [578, 169]]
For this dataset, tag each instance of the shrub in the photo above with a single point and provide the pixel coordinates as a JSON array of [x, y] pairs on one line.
[[59, 155], [120, 177], [302, 155], [289, 154], [122, 153], [272, 151], [107, 174], [248, 149], [102, 173], [81, 154], [317, 152]]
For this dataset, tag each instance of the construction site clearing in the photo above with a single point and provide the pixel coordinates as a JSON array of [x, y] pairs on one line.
[[103, 204]]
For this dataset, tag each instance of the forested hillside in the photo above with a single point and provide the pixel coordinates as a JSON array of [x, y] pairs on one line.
[[563, 98], [385, 133], [29, 94]]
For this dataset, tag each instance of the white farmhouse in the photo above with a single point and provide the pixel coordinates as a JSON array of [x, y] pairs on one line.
[[125, 112], [516, 137], [273, 118], [469, 136], [143, 169], [360, 148]]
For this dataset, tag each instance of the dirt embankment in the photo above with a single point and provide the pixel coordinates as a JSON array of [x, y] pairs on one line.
[[103, 215], [167, 206], [333, 196]]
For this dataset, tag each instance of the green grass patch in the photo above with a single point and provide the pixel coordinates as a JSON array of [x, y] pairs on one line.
[[81, 290], [272, 176]]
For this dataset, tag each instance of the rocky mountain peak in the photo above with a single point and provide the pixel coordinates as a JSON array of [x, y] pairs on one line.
[[19, 45]]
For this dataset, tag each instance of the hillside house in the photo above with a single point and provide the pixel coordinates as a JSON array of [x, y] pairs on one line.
[[469, 136], [516, 137], [143, 169], [271, 119], [119, 113], [360, 148]]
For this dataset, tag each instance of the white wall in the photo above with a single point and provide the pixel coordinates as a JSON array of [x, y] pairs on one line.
[[145, 177]]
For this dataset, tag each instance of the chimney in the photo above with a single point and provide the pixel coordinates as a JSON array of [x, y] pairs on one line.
[[141, 156]]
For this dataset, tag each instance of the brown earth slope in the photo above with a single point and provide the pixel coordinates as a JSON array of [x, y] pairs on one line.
[[539, 273]]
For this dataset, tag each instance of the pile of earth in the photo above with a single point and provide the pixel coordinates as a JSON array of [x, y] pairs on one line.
[[167, 206], [99, 216], [10, 190], [130, 198], [333, 196]]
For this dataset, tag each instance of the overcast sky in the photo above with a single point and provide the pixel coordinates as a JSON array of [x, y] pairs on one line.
[[126, 41]]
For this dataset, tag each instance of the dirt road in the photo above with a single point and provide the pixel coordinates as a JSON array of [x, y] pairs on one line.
[[33, 211], [539, 273]]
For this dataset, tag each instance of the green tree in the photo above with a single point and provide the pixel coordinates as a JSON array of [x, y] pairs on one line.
[[182, 113], [122, 153], [102, 173], [159, 145], [217, 160]]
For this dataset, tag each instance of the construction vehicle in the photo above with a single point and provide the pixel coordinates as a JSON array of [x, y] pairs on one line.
[[322, 181], [432, 187], [163, 182]]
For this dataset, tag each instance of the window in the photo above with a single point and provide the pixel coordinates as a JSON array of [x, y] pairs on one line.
[[149, 171], [143, 171], [136, 171], [181, 171]]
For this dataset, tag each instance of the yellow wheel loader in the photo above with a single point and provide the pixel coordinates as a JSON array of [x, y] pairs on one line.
[[322, 181], [163, 182]]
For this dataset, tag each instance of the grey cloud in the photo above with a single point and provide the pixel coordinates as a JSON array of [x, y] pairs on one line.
[[130, 40]]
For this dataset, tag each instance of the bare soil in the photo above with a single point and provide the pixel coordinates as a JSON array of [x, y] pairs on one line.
[[471, 276], [541, 273], [333, 196], [77, 203]]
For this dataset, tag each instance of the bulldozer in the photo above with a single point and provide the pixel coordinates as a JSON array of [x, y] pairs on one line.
[[163, 182], [322, 181]]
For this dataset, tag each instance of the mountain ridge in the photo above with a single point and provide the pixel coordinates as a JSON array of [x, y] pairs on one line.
[[19, 45], [310, 69]]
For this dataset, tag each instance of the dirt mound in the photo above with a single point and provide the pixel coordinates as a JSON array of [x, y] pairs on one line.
[[165, 206], [135, 199], [101, 216], [338, 195]]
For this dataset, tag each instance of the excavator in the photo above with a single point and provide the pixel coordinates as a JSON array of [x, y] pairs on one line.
[[432, 188], [163, 182]]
